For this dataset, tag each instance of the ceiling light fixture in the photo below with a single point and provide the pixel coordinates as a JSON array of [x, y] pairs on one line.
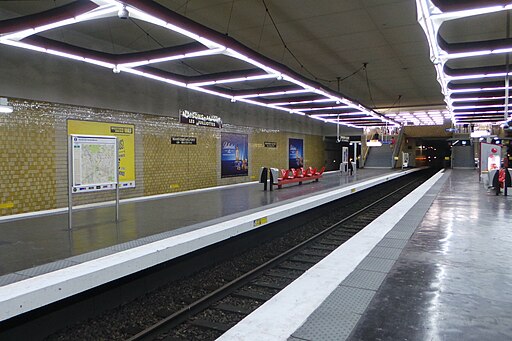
[[214, 45], [123, 13]]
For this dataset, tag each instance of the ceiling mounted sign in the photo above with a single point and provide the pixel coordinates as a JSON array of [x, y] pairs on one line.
[[199, 119]]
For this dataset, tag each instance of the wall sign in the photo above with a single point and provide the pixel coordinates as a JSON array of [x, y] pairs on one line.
[[270, 144], [199, 119], [183, 140]]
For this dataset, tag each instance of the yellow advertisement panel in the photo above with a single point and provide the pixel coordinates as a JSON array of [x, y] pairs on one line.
[[125, 133]]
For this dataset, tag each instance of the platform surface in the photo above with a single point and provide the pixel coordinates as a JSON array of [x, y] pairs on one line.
[[453, 280], [45, 241], [442, 272]]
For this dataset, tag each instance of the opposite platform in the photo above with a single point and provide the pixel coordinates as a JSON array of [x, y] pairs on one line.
[[29, 240]]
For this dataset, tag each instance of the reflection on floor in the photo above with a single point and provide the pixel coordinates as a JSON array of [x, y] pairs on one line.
[[453, 281]]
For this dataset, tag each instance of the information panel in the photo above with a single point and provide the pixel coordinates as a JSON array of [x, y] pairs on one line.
[[94, 163], [125, 134]]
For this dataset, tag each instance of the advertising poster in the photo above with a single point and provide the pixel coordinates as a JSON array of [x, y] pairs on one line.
[[125, 134], [234, 155], [296, 153]]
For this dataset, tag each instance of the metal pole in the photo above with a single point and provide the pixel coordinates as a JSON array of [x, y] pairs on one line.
[[507, 71], [117, 179], [70, 182], [354, 169]]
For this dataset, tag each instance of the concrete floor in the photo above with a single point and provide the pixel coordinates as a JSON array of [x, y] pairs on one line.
[[453, 281]]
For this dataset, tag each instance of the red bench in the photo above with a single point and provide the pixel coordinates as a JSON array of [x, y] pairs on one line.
[[299, 175]]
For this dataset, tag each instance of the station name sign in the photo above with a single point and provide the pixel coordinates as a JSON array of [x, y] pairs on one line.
[[199, 119], [183, 140]]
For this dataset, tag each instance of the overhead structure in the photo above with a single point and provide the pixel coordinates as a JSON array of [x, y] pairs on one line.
[[419, 117], [185, 54], [470, 42]]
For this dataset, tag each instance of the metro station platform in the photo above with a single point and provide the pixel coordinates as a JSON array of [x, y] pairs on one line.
[[44, 262], [436, 266]]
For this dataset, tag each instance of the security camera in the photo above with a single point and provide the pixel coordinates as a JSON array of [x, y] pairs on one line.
[[123, 13]]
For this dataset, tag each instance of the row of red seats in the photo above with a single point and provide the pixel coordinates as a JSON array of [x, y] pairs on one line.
[[300, 173]]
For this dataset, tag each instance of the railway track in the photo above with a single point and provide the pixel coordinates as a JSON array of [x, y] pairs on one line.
[[214, 313]]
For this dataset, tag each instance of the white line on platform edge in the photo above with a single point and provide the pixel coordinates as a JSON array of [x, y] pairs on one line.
[[278, 318]]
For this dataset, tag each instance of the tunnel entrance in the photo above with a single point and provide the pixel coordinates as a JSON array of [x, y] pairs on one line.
[[432, 152]]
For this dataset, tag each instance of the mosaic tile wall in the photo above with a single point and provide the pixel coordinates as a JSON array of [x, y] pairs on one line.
[[27, 162], [314, 151], [172, 167], [33, 155]]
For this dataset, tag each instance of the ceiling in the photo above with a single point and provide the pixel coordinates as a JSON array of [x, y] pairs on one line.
[[373, 52]]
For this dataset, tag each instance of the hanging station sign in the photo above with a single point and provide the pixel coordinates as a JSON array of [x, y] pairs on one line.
[[199, 119]]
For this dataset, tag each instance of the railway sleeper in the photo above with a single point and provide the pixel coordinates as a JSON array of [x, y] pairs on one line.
[[298, 266], [329, 242], [234, 309], [315, 253], [306, 259], [257, 296], [222, 327], [281, 274], [269, 285], [318, 246]]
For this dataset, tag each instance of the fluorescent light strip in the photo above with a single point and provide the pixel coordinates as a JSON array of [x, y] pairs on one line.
[[445, 16], [461, 91], [232, 53], [325, 108], [56, 53], [175, 57], [447, 56], [342, 115], [475, 99], [479, 106], [138, 14], [94, 14], [306, 102], [234, 80], [341, 123], [245, 100], [158, 78], [109, 7], [472, 113], [477, 76], [275, 93]]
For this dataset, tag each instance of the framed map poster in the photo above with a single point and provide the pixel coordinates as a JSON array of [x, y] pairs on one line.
[[94, 163], [125, 134]]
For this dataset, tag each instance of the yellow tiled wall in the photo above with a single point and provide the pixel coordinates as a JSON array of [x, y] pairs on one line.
[[33, 155], [27, 162], [172, 167]]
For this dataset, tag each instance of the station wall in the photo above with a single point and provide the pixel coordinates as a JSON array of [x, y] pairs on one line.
[[47, 90], [33, 157]]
